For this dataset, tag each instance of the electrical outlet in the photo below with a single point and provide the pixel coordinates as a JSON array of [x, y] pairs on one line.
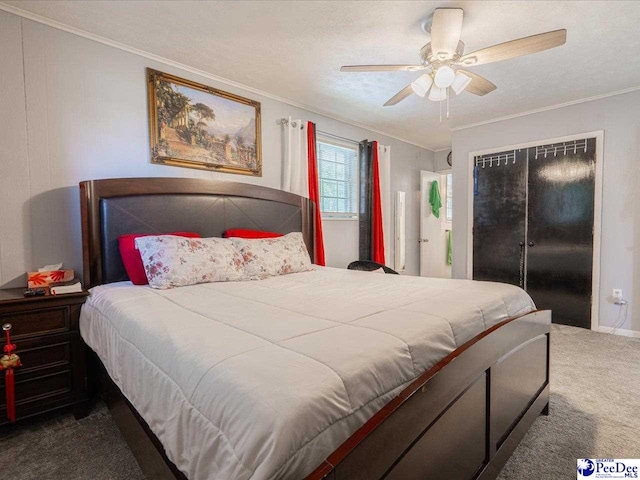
[[617, 293]]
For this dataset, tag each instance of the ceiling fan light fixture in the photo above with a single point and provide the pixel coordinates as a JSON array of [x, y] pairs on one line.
[[445, 60], [422, 84], [460, 82], [437, 94], [444, 77]]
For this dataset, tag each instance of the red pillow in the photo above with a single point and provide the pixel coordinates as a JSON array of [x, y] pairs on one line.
[[244, 233], [131, 256]]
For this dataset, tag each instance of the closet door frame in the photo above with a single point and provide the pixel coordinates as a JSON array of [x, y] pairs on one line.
[[597, 207]]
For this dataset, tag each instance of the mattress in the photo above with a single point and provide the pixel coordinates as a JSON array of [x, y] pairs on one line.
[[264, 379]]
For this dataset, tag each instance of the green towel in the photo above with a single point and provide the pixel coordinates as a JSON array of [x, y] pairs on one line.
[[449, 247], [434, 199]]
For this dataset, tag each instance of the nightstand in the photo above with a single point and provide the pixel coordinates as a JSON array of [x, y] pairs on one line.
[[53, 372]]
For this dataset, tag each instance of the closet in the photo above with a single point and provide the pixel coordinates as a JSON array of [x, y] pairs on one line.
[[533, 224]]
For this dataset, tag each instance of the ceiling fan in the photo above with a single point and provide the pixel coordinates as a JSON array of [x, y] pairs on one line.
[[444, 56]]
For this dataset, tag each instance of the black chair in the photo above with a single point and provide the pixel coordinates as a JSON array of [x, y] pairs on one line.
[[369, 266]]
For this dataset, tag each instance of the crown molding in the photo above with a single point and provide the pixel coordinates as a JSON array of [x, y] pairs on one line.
[[157, 58], [546, 109]]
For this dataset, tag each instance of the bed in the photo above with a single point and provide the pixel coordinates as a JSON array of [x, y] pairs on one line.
[[321, 374]]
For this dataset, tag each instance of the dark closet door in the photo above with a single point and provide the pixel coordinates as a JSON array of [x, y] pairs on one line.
[[560, 233], [499, 212]]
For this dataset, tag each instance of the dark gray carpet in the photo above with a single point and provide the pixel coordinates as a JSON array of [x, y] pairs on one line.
[[595, 399], [58, 447]]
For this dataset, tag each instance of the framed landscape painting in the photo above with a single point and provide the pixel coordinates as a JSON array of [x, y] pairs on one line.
[[196, 126]]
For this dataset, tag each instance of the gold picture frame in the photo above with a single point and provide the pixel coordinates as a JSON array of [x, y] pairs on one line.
[[193, 125]]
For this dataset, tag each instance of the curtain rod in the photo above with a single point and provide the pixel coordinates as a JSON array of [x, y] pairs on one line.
[[285, 121], [337, 137]]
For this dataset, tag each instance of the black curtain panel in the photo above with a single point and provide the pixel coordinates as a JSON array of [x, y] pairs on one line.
[[533, 225], [366, 199]]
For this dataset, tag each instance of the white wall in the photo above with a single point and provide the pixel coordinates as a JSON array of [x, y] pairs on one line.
[[74, 109], [340, 242], [441, 160], [619, 117], [405, 177]]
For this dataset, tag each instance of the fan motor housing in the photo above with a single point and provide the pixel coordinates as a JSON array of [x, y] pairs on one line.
[[429, 58]]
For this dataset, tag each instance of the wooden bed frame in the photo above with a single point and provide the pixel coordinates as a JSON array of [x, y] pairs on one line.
[[461, 419]]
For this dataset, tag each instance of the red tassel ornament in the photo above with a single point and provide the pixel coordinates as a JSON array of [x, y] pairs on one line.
[[8, 362]]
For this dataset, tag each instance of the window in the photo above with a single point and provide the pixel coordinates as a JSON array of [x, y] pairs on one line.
[[449, 198], [338, 178]]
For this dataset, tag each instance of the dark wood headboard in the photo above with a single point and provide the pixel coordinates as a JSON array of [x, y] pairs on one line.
[[113, 207]]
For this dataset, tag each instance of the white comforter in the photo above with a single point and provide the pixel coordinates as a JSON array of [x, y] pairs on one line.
[[264, 379]]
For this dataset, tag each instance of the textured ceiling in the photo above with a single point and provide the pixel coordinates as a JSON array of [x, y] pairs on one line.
[[295, 49]]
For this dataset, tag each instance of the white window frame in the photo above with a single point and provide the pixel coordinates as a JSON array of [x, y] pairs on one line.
[[320, 138]]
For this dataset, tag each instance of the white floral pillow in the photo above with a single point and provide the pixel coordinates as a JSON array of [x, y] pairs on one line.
[[268, 257], [171, 261]]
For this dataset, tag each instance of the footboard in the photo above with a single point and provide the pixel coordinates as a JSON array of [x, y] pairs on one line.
[[462, 418]]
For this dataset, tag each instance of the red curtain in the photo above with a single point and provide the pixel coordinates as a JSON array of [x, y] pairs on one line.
[[314, 192], [377, 235]]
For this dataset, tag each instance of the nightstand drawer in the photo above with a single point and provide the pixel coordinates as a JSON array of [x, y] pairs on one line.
[[40, 387], [36, 354], [38, 322]]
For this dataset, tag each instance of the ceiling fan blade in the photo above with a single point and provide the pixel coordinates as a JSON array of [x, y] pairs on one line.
[[478, 85], [401, 95], [515, 48], [382, 68], [446, 28]]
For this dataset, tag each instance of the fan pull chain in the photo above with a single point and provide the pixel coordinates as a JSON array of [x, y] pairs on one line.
[[447, 103]]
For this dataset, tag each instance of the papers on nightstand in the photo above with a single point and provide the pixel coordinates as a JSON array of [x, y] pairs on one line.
[[60, 288]]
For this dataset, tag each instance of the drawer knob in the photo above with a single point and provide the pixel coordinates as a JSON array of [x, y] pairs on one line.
[[6, 327]]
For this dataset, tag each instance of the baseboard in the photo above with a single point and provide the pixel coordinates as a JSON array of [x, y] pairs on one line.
[[618, 331]]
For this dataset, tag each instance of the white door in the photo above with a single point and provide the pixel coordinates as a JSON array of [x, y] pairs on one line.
[[433, 235]]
